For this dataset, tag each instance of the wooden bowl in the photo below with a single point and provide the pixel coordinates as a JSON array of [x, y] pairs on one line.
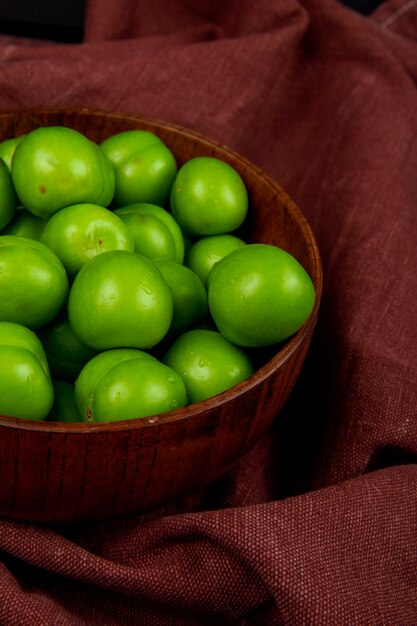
[[55, 472]]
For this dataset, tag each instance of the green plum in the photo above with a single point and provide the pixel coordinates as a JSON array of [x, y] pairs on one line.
[[189, 296], [25, 224], [144, 166], [151, 237], [208, 197], [33, 282], [7, 148], [8, 200], [131, 214], [80, 232], [207, 251], [64, 408], [25, 384], [55, 166], [120, 299], [98, 366], [259, 295], [66, 354], [208, 363], [127, 384]]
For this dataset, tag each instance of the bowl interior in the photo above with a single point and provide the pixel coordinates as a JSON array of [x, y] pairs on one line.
[[273, 218]]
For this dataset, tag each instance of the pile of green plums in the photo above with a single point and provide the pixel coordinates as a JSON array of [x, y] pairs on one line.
[[125, 291]]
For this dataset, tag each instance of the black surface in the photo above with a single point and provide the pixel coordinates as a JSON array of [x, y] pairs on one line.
[[63, 20]]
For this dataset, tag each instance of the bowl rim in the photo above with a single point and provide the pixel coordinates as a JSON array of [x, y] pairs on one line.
[[265, 371]]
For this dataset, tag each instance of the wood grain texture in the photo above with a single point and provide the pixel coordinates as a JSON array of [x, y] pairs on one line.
[[51, 472]]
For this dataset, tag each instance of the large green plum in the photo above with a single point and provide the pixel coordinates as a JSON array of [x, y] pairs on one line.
[[33, 282], [259, 295], [144, 166], [80, 232], [127, 384], [55, 166], [208, 197], [207, 251], [25, 384], [120, 299]]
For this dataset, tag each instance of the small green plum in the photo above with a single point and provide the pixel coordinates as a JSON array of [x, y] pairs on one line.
[[129, 213], [8, 200], [95, 369], [25, 384], [80, 232], [144, 167], [207, 251], [119, 385], [189, 296], [150, 235], [208, 197], [64, 408], [66, 354], [25, 224], [208, 363], [7, 148], [33, 282]]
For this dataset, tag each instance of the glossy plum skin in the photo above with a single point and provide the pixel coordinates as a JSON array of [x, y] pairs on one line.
[[34, 280], [189, 296], [25, 385], [259, 295], [208, 363], [144, 167], [53, 167], [107, 388], [120, 299], [80, 232], [207, 251], [208, 197]]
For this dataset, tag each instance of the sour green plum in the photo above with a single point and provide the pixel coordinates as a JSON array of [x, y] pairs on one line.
[[208, 363], [25, 224], [132, 215], [107, 388], [33, 282], [7, 148], [208, 197], [55, 166], [144, 166], [64, 408], [25, 384], [189, 296], [80, 232], [66, 354], [8, 200], [207, 251], [120, 299], [259, 295]]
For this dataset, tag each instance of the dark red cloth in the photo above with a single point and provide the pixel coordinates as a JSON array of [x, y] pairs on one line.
[[318, 524]]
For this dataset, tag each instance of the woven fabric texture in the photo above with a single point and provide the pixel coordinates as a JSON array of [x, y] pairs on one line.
[[317, 525]]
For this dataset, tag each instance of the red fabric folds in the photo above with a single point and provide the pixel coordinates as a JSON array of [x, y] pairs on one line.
[[317, 524]]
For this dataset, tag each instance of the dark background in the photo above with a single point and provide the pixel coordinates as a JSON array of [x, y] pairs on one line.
[[64, 20]]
